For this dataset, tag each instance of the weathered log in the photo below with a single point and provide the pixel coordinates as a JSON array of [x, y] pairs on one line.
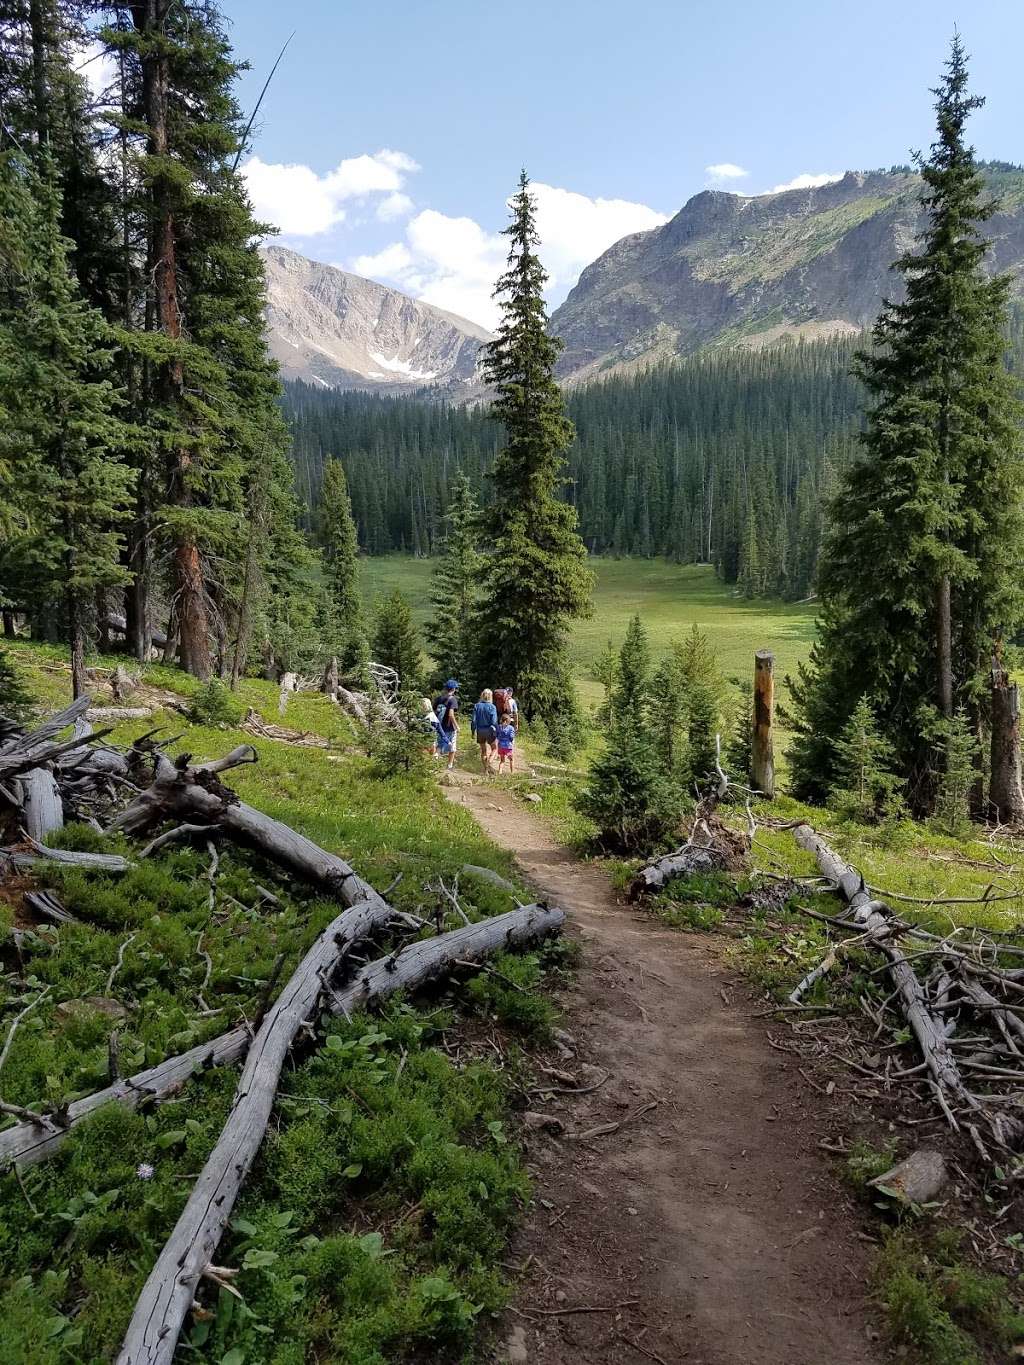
[[353, 704], [685, 862], [289, 684], [874, 918], [47, 906], [762, 757], [188, 793], [46, 731], [118, 713], [117, 623], [102, 862], [42, 808], [1005, 793], [170, 1289], [915, 1180]]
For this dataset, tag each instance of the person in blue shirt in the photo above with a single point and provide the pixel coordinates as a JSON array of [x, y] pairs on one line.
[[506, 738], [484, 725], [446, 709]]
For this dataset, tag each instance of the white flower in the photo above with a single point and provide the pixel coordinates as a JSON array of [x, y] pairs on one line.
[[144, 1171]]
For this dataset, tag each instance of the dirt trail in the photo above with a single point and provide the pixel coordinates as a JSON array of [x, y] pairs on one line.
[[714, 1211]]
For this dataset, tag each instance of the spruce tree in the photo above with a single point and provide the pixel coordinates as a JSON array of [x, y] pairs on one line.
[[346, 633], [535, 579], [629, 796], [455, 587], [865, 784], [918, 576], [396, 641], [64, 430]]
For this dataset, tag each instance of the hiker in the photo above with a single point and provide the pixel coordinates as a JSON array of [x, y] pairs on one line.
[[506, 736], [431, 726], [505, 701], [484, 725], [446, 709]]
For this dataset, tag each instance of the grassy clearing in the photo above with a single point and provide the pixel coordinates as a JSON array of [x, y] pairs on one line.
[[371, 1227], [669, 597]]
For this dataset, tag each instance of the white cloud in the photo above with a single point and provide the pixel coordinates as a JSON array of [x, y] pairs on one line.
[[304, 204], [454, 263], [575, 229], [807, 181], [395, 205], [97, 65], [725, 170]]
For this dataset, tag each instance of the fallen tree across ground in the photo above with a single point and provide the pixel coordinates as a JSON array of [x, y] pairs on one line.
[[963, 981], [187, 1256]]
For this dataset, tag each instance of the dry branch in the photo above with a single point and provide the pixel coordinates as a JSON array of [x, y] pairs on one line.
[[170, 1289], [925, 1014]]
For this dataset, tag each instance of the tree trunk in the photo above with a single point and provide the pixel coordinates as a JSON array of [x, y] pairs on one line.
[[42, 808], [1005, 793], [76, 634], [944, 644], [186, 561], [102, 622], [762, 751], [688, 862], [10, 626]]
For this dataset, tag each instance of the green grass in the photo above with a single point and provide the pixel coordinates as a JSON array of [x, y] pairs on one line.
[[669, 597], [381, 1202]]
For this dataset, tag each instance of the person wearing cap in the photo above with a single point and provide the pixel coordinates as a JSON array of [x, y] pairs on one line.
[[446, 709]]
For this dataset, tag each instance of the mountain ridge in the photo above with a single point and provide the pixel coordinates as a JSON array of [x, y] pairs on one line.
[[328, 326], [729, 269]]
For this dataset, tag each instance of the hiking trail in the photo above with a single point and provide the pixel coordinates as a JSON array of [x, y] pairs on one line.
[[707, 1228]]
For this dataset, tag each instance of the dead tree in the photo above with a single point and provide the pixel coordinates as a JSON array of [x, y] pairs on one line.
[[1005, 793], [762, 761], [169, 1291]]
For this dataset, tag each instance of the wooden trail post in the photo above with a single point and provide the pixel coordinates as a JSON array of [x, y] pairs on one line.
[[1005, 794], [762, 756]]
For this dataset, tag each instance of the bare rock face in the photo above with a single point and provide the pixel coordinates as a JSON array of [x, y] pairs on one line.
[[337, 330], [730, 270]]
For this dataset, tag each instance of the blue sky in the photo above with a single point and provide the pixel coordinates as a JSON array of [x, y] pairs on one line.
[[393, 133]]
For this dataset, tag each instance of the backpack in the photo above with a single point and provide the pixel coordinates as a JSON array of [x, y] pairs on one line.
[[442, 709], [503, 702]]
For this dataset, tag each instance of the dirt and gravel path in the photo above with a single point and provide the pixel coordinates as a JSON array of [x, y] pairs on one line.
[[707, 1228]]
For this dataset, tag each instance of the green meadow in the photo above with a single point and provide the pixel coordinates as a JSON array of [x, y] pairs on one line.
[[669, 597]]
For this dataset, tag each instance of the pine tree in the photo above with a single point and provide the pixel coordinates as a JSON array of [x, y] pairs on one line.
[[917, 577], [346, 633], [396, 641], [629, 796], [455, 587], [865, 783], [63, 427], [740, 749], [954, 757], [535, 579]]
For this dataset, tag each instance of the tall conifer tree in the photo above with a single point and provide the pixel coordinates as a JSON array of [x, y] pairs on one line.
[[536, 579], [455, 586], [346, 628], [919, 573]]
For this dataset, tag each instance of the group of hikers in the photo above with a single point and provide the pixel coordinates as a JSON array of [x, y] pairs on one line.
[[494, 724]]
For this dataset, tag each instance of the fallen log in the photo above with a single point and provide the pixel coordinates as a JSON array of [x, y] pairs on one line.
[[880, 931], [31, 857], [119, 713], [41, 805], [187, 792], [685, 862], [169, 1291], [117, 623]]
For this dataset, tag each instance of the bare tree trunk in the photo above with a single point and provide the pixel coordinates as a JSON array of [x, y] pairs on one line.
[[762, 751], [1005, 794], [944, 644], [10, 627], [76, 634]]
